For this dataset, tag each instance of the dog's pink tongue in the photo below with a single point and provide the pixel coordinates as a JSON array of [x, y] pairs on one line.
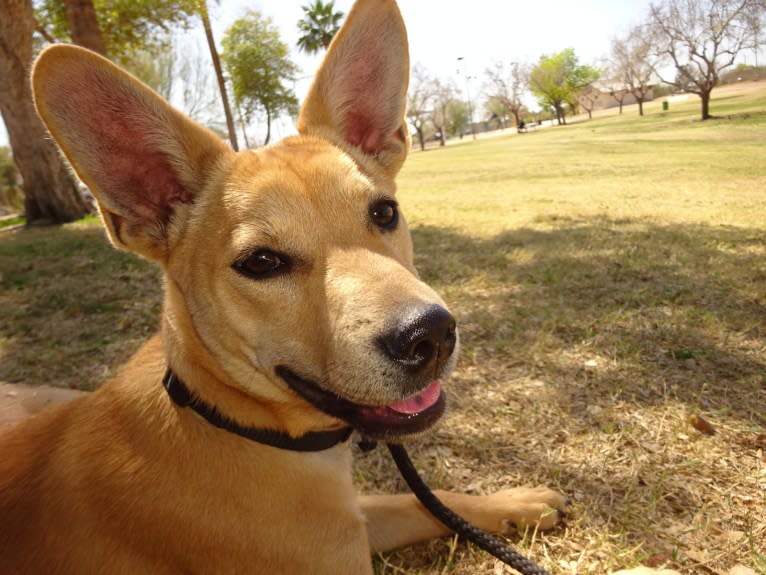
[[418, 402]]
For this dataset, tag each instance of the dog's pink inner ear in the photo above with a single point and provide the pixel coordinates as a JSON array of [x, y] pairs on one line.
[[370, 114], [139, 179], [136, 173], [361, 131], [122, 148], [370, 86]]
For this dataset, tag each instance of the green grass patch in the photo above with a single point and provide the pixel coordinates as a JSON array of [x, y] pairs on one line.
[[13, 221]]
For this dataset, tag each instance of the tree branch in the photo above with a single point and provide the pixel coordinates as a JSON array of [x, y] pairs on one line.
[[40, 29]]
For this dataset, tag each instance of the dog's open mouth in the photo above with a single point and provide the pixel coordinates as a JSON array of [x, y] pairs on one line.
[[411, 415]]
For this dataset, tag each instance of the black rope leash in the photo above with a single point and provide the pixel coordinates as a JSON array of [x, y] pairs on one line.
[[478, 537]]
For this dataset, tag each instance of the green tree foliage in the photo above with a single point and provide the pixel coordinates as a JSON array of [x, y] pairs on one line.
[[458, 118], [319, 26], [258, 65], [557, 79], [126, 25], [8, 173], [10, 194]]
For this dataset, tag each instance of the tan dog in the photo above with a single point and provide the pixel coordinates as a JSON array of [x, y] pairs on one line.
[[291, 305]]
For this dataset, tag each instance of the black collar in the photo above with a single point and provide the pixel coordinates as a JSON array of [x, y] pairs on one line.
[[311, 441]]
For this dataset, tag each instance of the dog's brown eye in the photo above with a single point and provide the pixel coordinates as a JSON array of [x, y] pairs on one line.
[[385, 214], [261, 264]]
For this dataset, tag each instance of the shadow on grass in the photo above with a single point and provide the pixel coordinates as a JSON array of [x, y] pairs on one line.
[[72, 308], [586, 345], [678, 308]]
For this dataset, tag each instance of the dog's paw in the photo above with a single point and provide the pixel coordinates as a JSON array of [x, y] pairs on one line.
[[529, 507]]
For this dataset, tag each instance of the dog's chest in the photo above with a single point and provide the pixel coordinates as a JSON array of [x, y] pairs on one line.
[[296, 513]]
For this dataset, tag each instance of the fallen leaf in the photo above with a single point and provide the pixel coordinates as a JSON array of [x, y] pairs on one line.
[[658, 559], [701, 424]]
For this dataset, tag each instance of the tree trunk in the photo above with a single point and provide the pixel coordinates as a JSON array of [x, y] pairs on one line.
[[244, 128], [50, 192], [442, 130], [218, 74], [640, 107], [421, 139], [268, 128], [83, 24], [705, 97]]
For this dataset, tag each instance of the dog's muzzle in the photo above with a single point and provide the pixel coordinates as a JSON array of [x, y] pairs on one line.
[[421, 343]]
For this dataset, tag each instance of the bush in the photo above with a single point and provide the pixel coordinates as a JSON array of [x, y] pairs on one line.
[[11, 196]]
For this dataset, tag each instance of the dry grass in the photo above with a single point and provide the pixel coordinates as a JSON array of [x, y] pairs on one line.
[[609, 279], [610, 283]]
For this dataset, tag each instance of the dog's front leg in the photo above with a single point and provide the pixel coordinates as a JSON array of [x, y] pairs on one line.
[[397, 520]]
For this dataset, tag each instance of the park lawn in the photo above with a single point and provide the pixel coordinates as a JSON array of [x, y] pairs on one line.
[[609, 279]]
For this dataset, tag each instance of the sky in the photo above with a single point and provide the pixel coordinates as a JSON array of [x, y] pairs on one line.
[[481, 31]]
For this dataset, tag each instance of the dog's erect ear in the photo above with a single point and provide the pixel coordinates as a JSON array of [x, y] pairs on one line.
[[143, 160], [359, 95]]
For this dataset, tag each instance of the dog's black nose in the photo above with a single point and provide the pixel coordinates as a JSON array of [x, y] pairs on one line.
[[423, 338]]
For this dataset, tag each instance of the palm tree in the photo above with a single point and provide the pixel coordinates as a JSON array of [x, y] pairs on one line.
[[319, 26]]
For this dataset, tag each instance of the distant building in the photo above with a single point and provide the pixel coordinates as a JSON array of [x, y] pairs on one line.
[[604, 96]]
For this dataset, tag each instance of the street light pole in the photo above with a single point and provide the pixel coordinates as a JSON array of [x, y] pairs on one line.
[[468, 95]]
